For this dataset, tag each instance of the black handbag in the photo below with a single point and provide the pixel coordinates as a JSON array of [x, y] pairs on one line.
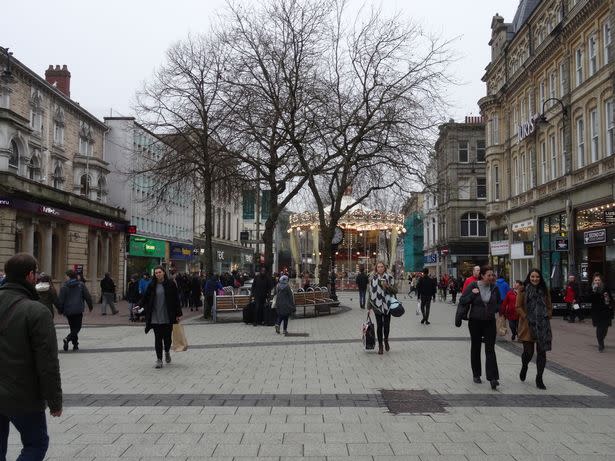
[[369, 334]]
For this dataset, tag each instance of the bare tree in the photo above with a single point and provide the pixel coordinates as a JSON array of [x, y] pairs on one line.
[[380, 100], [274, 50], [182, 104]]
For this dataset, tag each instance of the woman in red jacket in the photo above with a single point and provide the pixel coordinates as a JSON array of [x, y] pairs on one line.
[[509, 310]]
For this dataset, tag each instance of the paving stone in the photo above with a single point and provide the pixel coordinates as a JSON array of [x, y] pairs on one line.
[[326, 449]]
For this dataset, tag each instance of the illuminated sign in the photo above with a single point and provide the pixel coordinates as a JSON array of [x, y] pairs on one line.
[[527, 128], [49, 210]]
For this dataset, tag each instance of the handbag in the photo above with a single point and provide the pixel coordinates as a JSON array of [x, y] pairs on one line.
[[395, 307], [501, 326], [369, 334], [576, 306], [179, 343]]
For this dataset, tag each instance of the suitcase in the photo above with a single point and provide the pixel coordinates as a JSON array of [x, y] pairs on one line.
[[270, 315], [249, 313]]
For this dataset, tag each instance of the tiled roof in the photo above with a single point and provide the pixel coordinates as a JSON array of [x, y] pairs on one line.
[[524, 10]]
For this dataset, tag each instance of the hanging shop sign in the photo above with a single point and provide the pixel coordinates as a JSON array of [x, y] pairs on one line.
[[561, 243], [181, 251], [527, 128], [609, 216], [147, 247], [522, 250], [594, 236], [499, 247]]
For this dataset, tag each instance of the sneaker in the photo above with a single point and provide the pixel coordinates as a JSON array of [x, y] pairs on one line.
[[158, 364], [494, 384], [277, 329], [167, 357], [65, 345]]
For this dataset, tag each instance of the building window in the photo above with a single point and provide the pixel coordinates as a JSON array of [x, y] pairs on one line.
[[552, 87], [595, 141], [532, 176], [580, 143], [58, 127], [480, 150], [543, 94], [496, 182], [86, 139], [14, 158], [473, 224], [517, 176], [495, 129], [553, 154], [464, 189], [606, 38], [544, 170], [609, 114], [463, 151], [563, 152], [101, 190], [58, 177], [593, 55], [579, 66], [481, 188], [36, 111], [34, 167], [562, 75], [86, 184], [524, 181]]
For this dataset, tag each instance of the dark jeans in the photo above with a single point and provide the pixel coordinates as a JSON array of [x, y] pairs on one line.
[[513, 324], [480, 329], [601, 332], [259, 316], [454, 296], [33, 430], [425, 307], [283, 319], [362, 297], [528, 353], [572, 313], [74, 322], [383, 325], [209, 302], [162, 333]]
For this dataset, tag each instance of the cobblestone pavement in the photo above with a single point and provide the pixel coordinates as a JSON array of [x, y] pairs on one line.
[[245, 393]]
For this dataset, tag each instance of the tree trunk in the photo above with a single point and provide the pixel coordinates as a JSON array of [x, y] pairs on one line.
[[326, 255], [208, 253]]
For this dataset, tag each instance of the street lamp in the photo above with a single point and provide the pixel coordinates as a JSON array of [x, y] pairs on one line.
[[543, 117]]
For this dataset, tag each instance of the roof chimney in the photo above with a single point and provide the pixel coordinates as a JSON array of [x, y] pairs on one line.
[[60, 78]]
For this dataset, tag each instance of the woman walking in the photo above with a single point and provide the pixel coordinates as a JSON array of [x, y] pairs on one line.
[[47, 293], [483, 299], [381, 283], [535, 310], [284, 304], [162, 310], [602, 309]]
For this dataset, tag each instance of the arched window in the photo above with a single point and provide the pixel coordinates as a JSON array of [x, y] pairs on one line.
[[14, 158], [34, 167], [86, 185], [58, 176], [473, 224], [101, 190]]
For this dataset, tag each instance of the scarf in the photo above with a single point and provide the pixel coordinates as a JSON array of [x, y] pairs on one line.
[[538, 316], [377, 294]]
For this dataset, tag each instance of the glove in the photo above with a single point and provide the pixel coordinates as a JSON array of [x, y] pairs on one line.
[[458, 323]]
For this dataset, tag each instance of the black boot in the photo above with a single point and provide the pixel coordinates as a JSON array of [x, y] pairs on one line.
[[523, 372], [539, 383]]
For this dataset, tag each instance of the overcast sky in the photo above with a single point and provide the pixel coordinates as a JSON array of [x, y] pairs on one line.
[[112, 47]]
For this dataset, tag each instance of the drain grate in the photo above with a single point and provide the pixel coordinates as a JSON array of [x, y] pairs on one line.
[[412, 401]]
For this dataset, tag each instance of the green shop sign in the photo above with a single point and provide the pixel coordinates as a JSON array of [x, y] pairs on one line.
[[143, 246]]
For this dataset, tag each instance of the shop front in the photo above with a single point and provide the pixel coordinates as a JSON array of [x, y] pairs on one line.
[[430, 261], [463, 256], [499, 251], [594, 241], [226, 257], [145, 253], [180, 257], [522, 249], [554, 250]]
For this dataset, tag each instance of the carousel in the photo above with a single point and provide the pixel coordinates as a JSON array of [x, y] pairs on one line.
[[363, 236]]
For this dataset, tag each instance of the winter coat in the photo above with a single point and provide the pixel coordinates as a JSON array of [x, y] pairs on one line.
[[469, 280], [509, 306], [30, 374], [107, 285], [143, 284], [602, 311], [362, 281], [261, 286], [48, 296], [426, 287], [503, 287], [212, 285], [572, 293], [479, 309], [523, 330], [284, 301], [132, 294], [171, 298], [377, 293], [72, 296]]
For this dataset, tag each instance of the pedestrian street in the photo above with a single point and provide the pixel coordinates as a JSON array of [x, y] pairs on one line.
[[245, 393]]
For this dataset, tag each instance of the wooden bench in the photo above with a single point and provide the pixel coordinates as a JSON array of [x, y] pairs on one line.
[[228, 303]]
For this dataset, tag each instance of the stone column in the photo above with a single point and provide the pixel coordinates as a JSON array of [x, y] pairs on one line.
[[105, 248], [28, 237], [93, 272], [46, 263]]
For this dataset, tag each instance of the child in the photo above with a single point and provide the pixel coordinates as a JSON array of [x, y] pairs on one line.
[[508, 308]]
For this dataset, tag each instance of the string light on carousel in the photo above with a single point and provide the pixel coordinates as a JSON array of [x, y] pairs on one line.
[[357, 236]]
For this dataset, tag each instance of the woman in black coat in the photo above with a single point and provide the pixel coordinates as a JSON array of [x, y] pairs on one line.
[[483, 299], [162, 310], [602, 309]]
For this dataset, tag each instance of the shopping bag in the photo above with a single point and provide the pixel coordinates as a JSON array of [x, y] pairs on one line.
[[369, 334], [501, 325], [179, 343], [576, 306], [418, 308]]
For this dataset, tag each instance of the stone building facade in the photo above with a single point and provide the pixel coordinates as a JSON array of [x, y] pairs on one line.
[[550, 140], [53, 189], [462, 241]]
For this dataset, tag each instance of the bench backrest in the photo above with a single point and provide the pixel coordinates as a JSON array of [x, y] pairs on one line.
[[299, 298], [309, 297], [225, 303]]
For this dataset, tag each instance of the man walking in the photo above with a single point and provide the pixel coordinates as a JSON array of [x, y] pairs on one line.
[[261, 289], [30, 377], [107, 288], [470, 279], [425, 291], [72, 296], [362, 281]]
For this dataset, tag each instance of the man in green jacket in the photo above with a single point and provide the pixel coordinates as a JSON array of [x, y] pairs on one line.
[[30, 376]]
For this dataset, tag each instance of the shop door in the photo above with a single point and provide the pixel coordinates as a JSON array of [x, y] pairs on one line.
[[596, 260]]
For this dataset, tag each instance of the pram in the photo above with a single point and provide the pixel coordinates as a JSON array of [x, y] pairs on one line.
[[138, 314]]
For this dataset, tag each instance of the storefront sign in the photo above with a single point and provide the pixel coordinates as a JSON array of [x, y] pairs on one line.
[[528, 248], [220, 254], [430, 258], [523, 250], [609, 216], [5, 202], [527, 128], [522, 225], [499, 247], [49, 210], [181, 251], [143, 246], [561, 243], [594, 236]]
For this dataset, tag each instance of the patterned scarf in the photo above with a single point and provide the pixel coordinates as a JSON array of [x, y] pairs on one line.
[[377, 294], [538, 316]]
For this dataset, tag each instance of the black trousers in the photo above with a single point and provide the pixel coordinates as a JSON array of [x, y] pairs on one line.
[[601, 332], [383, 326], [74, 322], [162, 334], [259, 316], [480, 329], [528, 353], [454, 296], [425, 306], [572, 313]]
